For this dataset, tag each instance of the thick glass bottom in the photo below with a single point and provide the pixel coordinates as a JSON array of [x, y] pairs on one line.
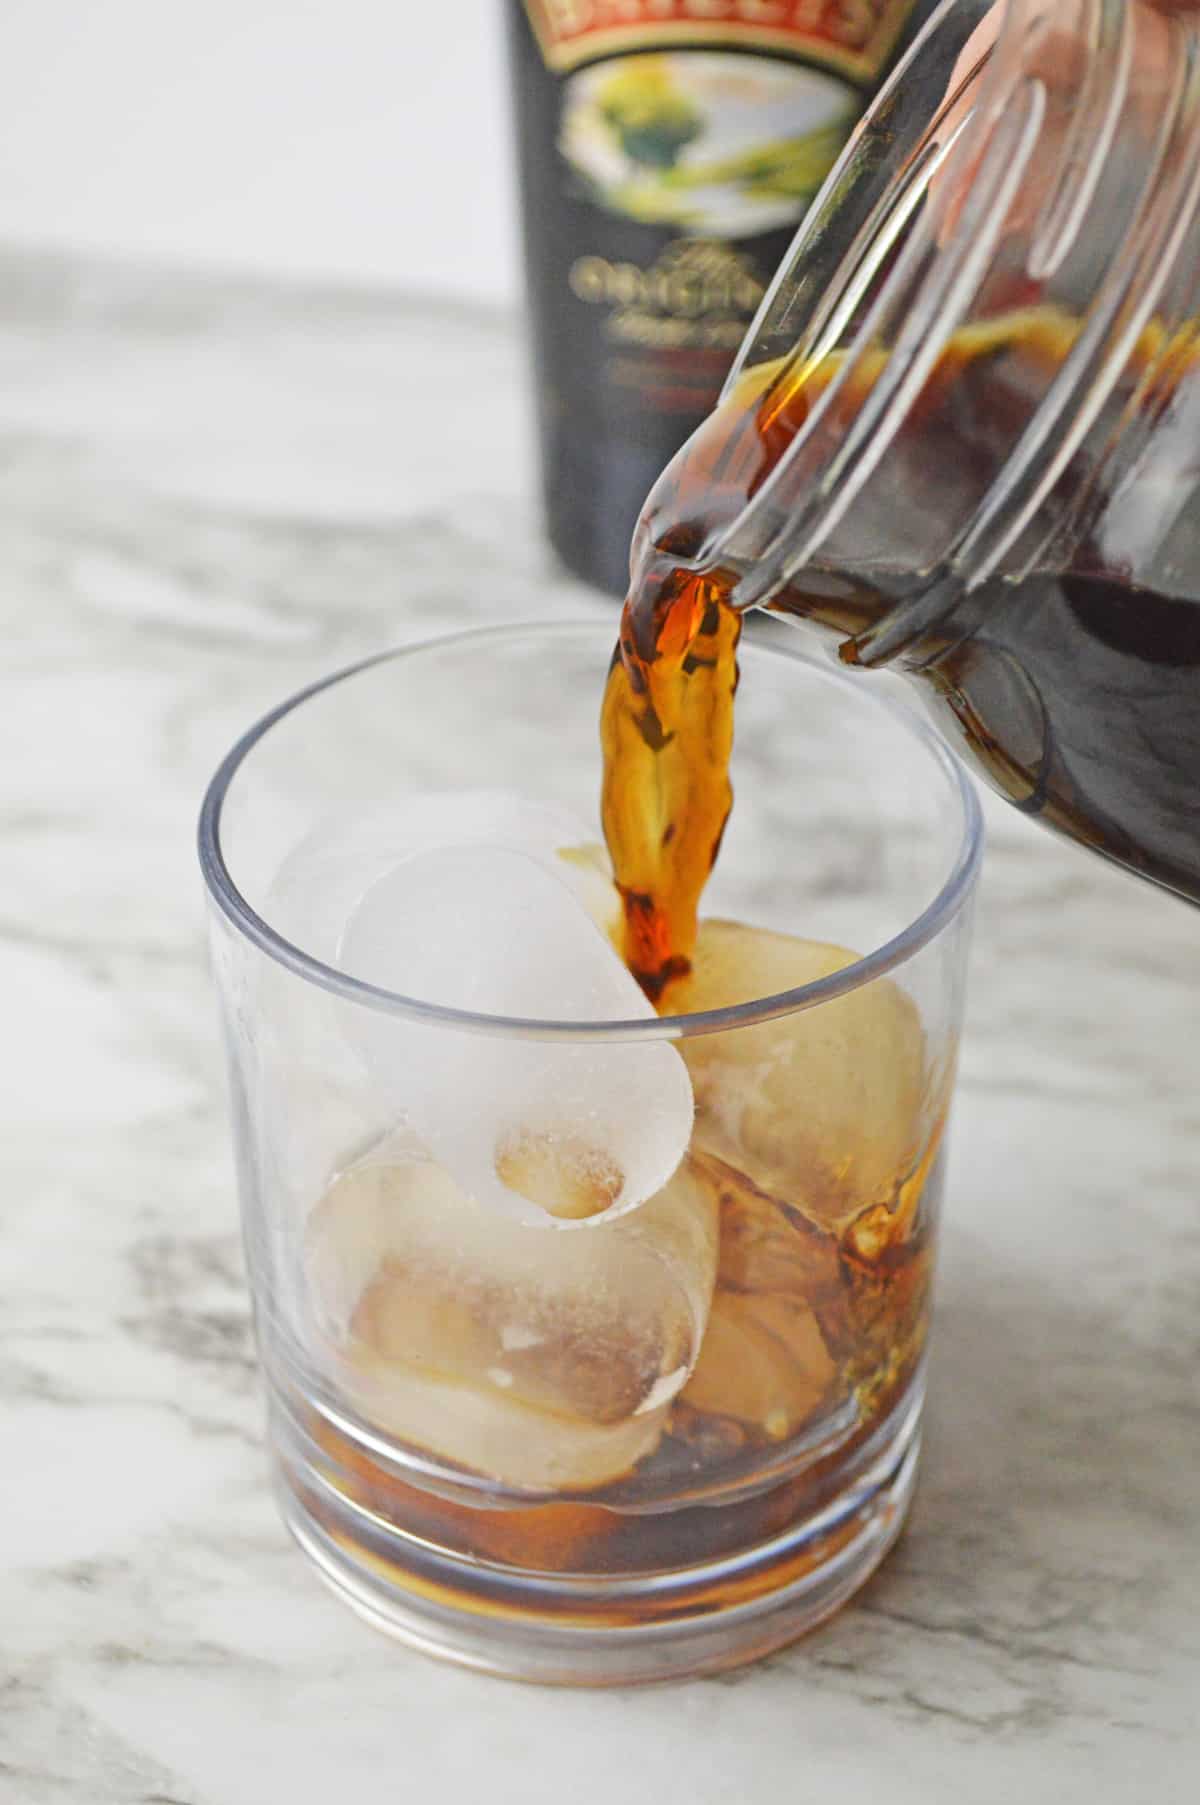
[[595, 1628]]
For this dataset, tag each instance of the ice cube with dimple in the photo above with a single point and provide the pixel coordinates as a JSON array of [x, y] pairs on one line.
[[316, 1037], [328, 872], [822, 1107], [545, 1129], [543, 1361]]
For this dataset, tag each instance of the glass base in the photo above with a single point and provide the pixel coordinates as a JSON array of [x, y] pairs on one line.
[[581, 1629]]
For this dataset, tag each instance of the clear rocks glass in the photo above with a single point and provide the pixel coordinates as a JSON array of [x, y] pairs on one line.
[[582, 1442]]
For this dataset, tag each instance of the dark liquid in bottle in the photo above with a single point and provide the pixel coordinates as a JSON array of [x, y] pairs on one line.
[[1076, 692]]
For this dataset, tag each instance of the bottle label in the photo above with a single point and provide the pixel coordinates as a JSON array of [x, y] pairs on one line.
[[706, 143], [853, 37]]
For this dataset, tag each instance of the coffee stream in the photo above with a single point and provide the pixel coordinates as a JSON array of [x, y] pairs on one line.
[[1073, 692]]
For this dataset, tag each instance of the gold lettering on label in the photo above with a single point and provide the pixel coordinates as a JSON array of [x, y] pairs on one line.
[[683, 292], [850, 36], [808, 14], [633, 328], [566, 17], [625, 284], [693, 281], [762, 12], [853, 23], [652, 331], [587, 277]]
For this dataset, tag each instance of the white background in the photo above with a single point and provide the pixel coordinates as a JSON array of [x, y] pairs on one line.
[[362, 140]]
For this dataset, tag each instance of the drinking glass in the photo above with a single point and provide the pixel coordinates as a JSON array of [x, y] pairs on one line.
[[621, 1446]]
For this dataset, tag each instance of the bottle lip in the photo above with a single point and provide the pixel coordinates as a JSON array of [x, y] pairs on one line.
[[952, 896]]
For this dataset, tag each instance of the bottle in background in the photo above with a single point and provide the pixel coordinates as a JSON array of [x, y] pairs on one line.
[[667, 149]]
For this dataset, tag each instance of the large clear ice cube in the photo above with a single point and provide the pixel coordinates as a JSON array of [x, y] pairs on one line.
[[326, 874], [489, 930], [546, 1361], [776, 1326], [822, 1108]]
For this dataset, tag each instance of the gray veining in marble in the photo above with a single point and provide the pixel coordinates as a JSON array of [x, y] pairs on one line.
[[209, 493]]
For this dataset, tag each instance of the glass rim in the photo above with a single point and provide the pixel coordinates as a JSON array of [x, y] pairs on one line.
[[925, 927]]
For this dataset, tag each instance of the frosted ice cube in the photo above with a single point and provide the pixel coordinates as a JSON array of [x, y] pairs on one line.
[[823, 1108], [328, 872], [545, 1129], [545, 1361]]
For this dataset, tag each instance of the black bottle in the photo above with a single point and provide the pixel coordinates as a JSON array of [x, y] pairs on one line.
[[667, 150]]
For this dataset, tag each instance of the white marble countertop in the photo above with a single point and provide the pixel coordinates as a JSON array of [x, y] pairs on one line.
[[208, 494]]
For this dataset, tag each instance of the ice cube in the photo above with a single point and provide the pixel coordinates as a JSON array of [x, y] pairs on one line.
[[548, 1130], [768, 1361], [764, 1362], [328, 872], [544, 1361], [822, 1108], [311, 1036]]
